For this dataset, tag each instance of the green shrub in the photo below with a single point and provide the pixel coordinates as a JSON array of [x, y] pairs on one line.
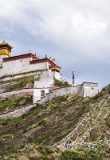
[[20, 83], [45, 150], [61, 83], [70, 155], [14, 102]]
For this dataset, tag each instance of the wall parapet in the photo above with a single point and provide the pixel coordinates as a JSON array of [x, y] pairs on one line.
[[81, 90], [89, 84], [57, 92], [20, 93]]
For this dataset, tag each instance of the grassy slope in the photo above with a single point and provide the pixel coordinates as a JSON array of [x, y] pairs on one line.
[[49, 123], [41, 152], [45, 124], [18, 83], [10, 104]]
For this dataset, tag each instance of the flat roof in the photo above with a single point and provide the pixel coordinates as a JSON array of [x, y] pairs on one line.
[[22, 56], [35, 59], [43, 60]]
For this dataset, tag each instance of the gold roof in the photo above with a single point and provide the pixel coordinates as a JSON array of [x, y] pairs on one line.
[[5, 43]]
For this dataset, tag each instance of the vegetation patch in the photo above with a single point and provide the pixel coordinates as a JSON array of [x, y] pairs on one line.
[[49, 123], [61, 83], [82, 155], [23, 73], [20, 83], [42, 152], [10, 104]]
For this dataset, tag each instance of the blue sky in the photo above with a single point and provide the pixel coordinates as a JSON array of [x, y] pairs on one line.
[[74, 32]]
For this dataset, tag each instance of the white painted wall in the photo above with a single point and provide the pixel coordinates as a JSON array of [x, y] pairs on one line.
[[81, 90], [16, 66], [89, 89], [38, 66], [46, 80], [21, 65], [1, 72], [37, 94], [1, 59], [57, 75], [56, 92]]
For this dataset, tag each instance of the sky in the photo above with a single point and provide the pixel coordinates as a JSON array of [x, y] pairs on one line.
[[74, 32]]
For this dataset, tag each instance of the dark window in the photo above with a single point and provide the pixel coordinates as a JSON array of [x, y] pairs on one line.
[[42, 92]]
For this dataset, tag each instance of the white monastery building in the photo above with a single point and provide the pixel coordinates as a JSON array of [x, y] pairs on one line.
[[46, 68]]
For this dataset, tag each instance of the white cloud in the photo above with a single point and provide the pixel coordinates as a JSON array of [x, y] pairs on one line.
[[78, 29], [54, 20]]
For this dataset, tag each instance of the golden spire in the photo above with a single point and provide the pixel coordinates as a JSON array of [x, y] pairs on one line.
[[5, 48]]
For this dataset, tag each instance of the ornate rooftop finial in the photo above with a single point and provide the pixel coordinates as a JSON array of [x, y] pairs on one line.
[[54, 60], [29, 51], [3, 42]]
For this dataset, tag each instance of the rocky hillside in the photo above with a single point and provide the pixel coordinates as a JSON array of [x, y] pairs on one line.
[[79, 126]]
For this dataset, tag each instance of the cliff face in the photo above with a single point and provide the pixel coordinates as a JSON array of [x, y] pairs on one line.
[[64, 122]]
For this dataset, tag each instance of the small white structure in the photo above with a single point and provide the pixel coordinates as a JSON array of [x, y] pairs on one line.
[[85, 89], [89, 89], [39, 93]]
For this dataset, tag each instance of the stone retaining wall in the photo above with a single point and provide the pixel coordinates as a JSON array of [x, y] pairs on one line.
[[24, 92], [58, 92], [86, 89], [17, 112]]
